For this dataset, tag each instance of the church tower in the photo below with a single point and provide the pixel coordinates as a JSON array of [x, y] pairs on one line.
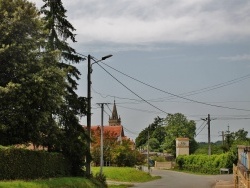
[[114, 119]]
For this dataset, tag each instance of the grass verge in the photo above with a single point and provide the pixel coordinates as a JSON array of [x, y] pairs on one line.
[[118, 174], [125, 174], [67, 182]]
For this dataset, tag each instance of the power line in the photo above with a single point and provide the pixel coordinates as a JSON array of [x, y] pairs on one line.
[[136, 109], [217, 86], [109, 109], [178, 96], [132, 132], [131, 90], [156, 100], [201, 130], [200, 125], [102, 95]]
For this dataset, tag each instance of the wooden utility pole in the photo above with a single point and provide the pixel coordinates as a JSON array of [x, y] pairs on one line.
[[209, 137], [223, 137]]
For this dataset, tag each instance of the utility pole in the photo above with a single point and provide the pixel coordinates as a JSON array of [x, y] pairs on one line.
[[223, 137], [209, 137], [88, 159], [101, 158], [148, 153]]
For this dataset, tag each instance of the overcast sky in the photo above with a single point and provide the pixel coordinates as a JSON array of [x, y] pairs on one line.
[[176, 47]]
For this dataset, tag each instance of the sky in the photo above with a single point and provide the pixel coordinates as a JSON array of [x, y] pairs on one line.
[[185, 56]]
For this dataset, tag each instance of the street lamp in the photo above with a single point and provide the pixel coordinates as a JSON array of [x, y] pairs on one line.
[[88, 159]]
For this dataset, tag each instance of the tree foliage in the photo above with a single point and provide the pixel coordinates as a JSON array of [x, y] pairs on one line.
[[164, 131], [179, 126], [114, 152], [60, 31], [31, 84], [154, 130], [38, 102], [231, 138]]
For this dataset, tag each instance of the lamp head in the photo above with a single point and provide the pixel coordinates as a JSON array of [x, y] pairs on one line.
[[106, 57]]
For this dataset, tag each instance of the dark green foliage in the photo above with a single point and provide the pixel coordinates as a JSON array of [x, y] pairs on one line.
[[179, 126], [206, 164], [73, 137], [102, 179], [162, 134], [27, 164], [154, 130], [31, 84], [234, 137], [38, 102], [216, 148]]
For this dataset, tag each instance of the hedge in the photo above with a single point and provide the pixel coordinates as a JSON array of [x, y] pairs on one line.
[[204, 163], [27, 164]]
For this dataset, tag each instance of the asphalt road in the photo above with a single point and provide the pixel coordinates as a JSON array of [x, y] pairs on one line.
[[172, 179]]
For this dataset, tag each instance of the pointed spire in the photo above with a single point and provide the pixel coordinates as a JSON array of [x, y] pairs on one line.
[[114, 119], [114, 113]]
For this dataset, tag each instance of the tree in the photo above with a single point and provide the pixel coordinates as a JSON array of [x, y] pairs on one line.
[[60, 30], [123, 155], [154, 144], [114, 152], [31, 84], [232, 138], [179, 126], [241, 135], [109, 143], [154, 130]]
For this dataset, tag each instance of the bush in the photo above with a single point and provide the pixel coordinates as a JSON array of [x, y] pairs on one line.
[[205, 164], [158, 158], [27, 164], [102, 179]]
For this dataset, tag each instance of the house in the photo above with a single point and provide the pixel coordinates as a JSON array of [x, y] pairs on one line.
[[114, 129]]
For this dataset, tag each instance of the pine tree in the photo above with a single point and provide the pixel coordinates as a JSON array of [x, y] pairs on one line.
[[60, 30]]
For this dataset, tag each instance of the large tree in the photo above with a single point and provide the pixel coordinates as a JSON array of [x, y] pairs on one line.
[[154, 130], [177, 125], [31, 84], [60, 31]]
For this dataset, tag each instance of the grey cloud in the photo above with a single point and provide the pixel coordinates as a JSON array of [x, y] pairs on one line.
[[242, 57], [152, 21]]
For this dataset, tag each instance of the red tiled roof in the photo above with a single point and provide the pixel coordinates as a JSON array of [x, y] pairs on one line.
[[114, 130]]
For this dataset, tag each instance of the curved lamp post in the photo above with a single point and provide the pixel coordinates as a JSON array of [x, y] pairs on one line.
[[88, 159]]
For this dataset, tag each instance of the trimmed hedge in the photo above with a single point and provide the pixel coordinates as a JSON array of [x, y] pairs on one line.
[[27, 164], [204, 163]]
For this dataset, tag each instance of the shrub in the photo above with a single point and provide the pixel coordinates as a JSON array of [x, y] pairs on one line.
[[204, 163], [102, 179], [27, 164]]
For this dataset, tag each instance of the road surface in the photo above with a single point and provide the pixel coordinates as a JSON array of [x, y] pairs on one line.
[[172, 179]]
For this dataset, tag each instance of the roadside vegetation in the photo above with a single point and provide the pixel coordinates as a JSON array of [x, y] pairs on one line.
[[122, 177], [125, 174], [224, 155], [68, 182]]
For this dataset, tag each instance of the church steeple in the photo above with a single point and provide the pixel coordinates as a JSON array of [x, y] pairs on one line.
[[114, 119]]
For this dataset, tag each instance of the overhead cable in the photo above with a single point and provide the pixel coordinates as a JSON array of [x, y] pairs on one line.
[[132, 91], [178, 96]]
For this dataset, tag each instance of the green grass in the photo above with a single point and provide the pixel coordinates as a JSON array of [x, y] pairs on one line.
[[119, 174], [120, 186], [68, 182], [125, 174]]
